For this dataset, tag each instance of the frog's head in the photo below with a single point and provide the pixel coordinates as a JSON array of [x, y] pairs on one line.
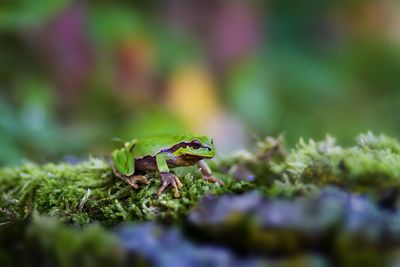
[[198, 146]]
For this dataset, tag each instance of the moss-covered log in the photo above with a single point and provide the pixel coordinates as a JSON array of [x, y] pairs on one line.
[[88, 191]]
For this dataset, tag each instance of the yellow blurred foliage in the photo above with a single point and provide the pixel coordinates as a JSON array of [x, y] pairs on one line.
[[191, 96]]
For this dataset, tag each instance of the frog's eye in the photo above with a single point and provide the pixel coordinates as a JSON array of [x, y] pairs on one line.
[[196, 144], [212, 141]]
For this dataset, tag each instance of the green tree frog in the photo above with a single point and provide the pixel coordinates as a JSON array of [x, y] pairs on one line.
[[160, 153]]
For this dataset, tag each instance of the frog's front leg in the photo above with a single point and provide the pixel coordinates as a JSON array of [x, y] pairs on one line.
[[168, 179], [205, 169]]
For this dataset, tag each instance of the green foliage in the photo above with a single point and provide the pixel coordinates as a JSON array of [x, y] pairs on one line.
[[293, 81], [22, 13], [32, 129]]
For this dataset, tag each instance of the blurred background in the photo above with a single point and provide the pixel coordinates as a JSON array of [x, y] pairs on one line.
[[75, 74]]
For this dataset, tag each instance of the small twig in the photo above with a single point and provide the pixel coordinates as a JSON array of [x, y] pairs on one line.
[[84, 199]]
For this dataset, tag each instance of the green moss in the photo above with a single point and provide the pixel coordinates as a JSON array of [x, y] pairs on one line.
[[89, 192], [372, 165]]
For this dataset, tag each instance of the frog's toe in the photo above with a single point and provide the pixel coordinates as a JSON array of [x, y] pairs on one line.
[[162, 188], [175, 189], [140, 178], [170, 179], [178, 182], [213, 179], [131, 183], [133, 180]]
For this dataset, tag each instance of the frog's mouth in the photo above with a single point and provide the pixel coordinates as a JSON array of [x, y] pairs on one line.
[[204, 152], [194, 149]]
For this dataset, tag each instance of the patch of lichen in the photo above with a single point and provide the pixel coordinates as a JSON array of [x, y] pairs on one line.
[[88, 192]]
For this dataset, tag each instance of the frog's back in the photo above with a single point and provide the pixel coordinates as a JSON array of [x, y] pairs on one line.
[[151, 146]]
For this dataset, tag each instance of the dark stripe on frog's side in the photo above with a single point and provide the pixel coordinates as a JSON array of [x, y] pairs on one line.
[[149, 163], [180, 145]]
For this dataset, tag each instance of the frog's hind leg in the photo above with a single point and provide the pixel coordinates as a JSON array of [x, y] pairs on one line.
[[207, 174], [170, 179], [134, 179], [138, 178], [131, 180]]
